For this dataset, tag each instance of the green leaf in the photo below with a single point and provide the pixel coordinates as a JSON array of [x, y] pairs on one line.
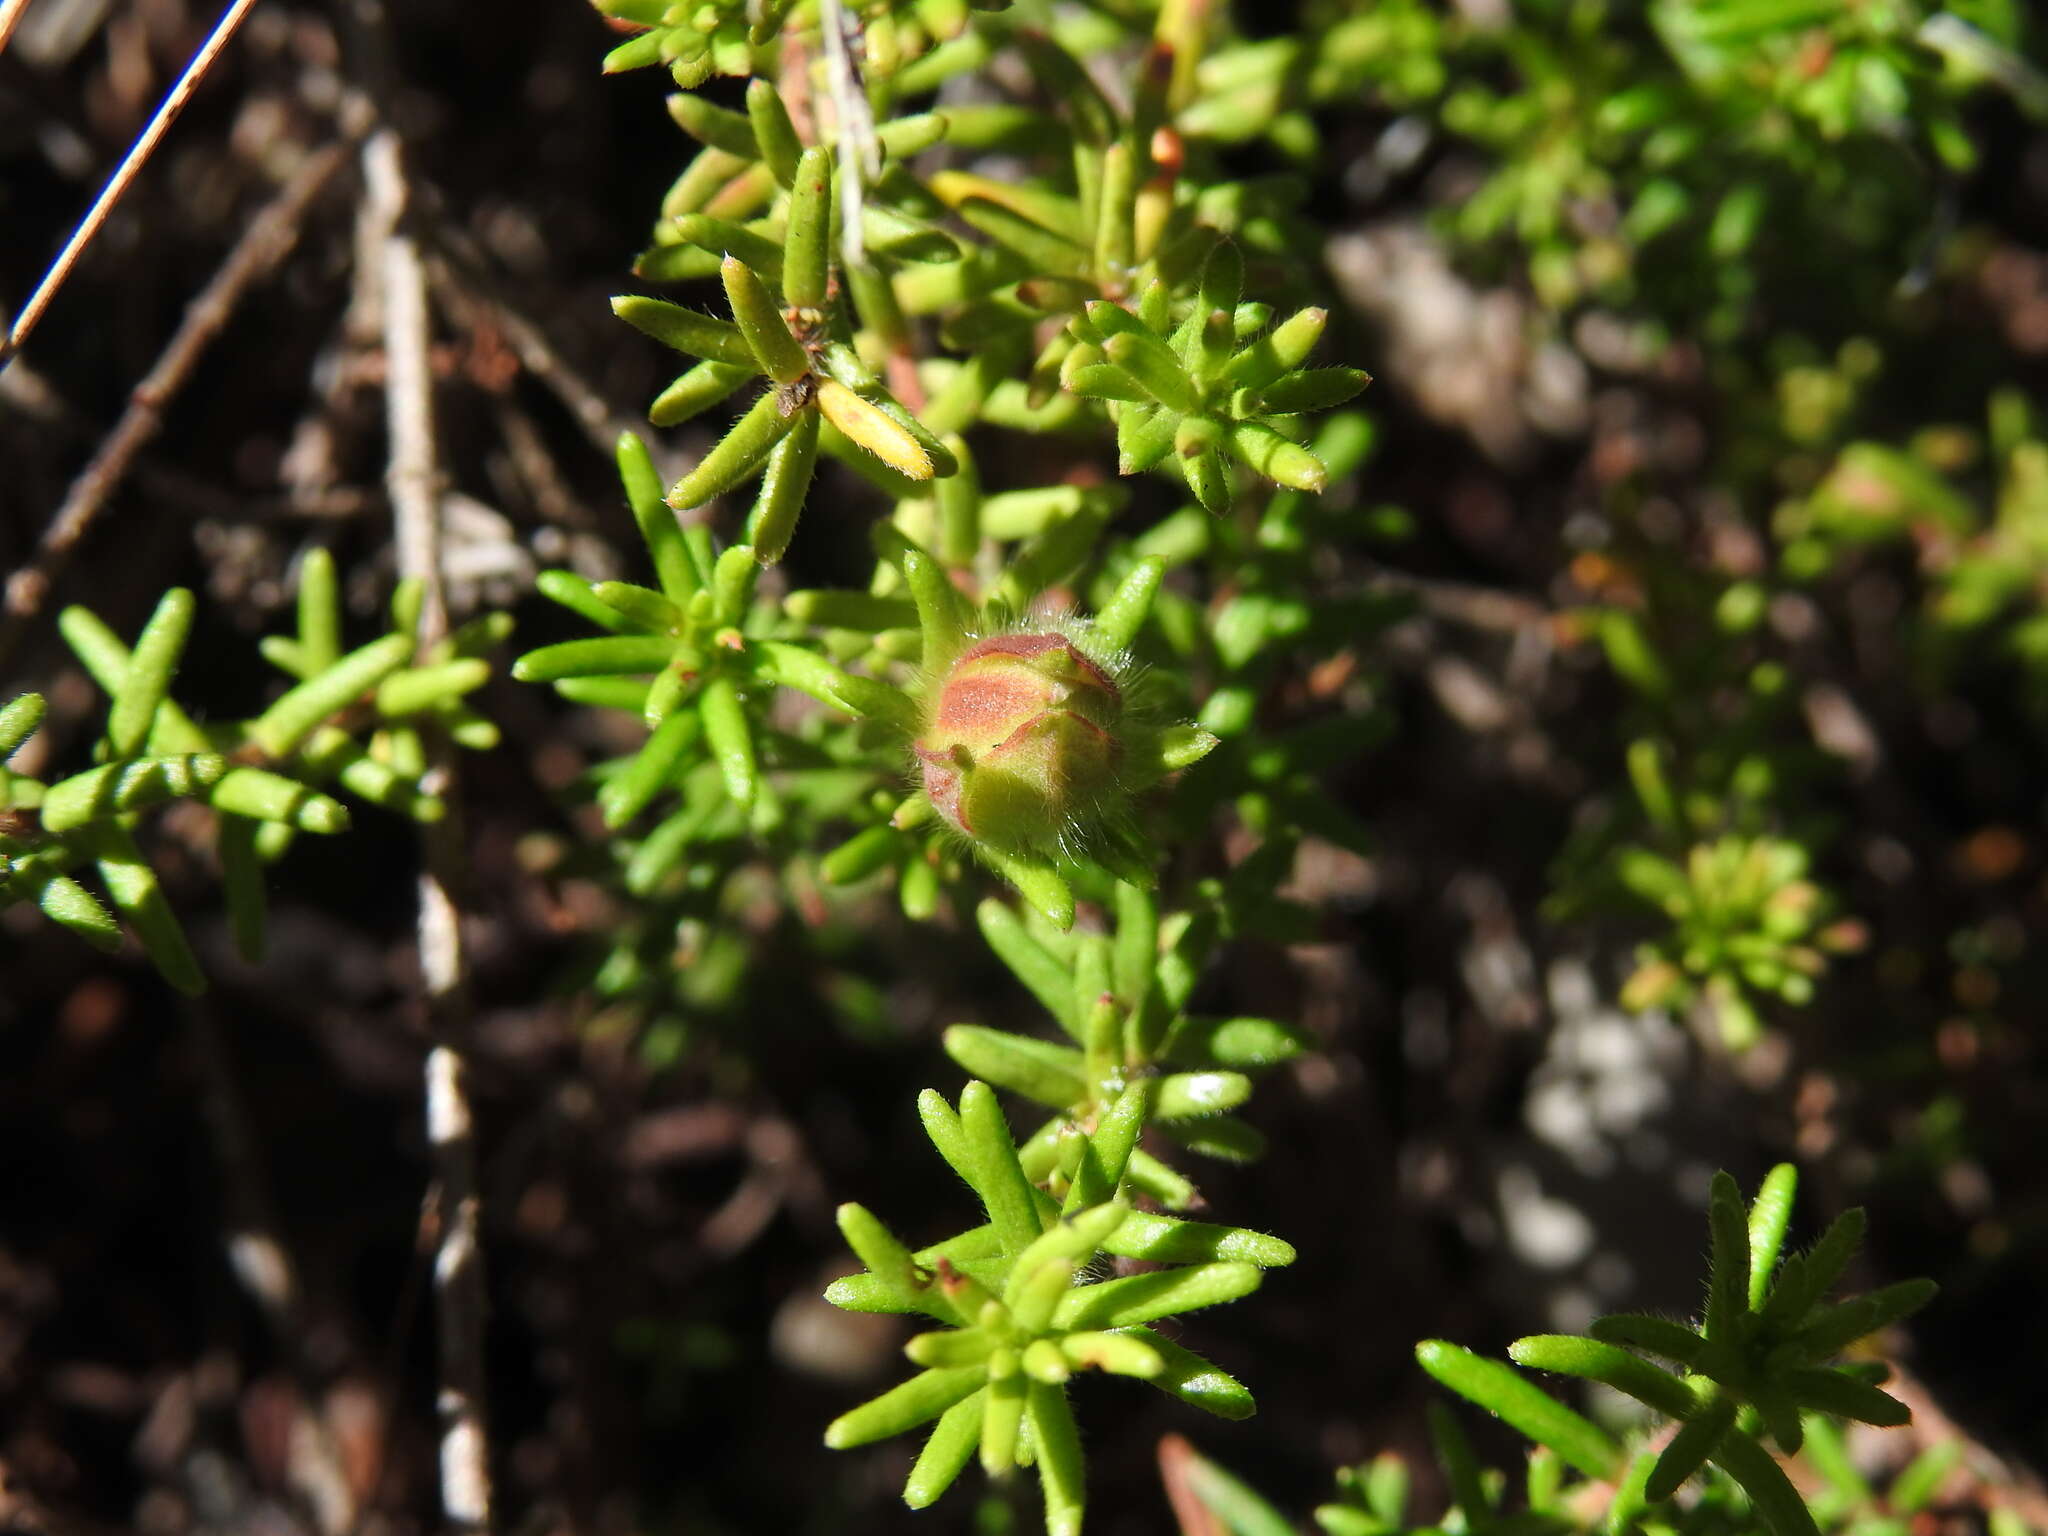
[[1118, 622], [655, 767], [925, 1396], [717, 126], [1038, 1069], [807, 242], [65, 902], [991, 1155], [1061, 1473], [735, 456], [1171, 1240], [1498, 1389], [1240, 1508], [730, 736], [1570, 1355], [151, 665], [952, 1441], [685, 330], [140, 898], [18, 722], [415, 690], [760, 321], [1728, 1272], [264, 796], [242, 882], [1030, 962], [1140, 1298], [113, 788], [594, 658], [294, 716], [784, 486], [1656, 1334], [1769, 1490], [1196, 1381], [319, 611], [1769, 1215], [1697, 1439]]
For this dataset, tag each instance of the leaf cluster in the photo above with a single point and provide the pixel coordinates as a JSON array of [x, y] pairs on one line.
[[350, 721]]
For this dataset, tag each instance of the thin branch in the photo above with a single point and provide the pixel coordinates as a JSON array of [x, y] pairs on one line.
[[413, 481], [11, 12], [130, 167], [267, 241], [859, 151]]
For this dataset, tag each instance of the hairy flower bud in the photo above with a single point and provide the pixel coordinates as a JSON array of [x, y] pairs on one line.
[[1022, 738]]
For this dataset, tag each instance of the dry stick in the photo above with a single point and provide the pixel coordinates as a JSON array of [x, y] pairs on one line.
[[130, 167], [11, 12], [860, 156], [267, 241], [414, 486]]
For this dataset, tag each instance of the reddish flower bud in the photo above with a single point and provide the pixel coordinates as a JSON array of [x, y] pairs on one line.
[[1021, 740]]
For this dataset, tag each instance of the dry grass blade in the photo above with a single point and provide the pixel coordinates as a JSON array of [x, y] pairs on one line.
[[130, 167]]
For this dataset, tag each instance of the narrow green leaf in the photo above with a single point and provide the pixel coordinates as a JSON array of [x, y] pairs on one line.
[[717, 126], [760, 320], [1501, 1391], [140, 898], [1728, 1272], [295, 715], [1061, 1473], [697, 389], [1107, 1153], [1270, 454], [1140, 1298], [734, 457], [1658, 1335], [849, 610], [1697, 1439], [242, 884], [1769, 1490], [265, 796], [925, 1396], [151, 665], [807, 243], [784, 487], [18, 722], [113, 788], [655, 767], [952, 1441], [1184, 1095], [1171, 1240], [415, 690], [594, 658], [1032, 963], [1769, 1215], [1240, 1508], [685, 330], [730, 736], [65, 902], [319, 610], [1038, 1069], [1196, 1381], [1570, 1355], [997, 1178]]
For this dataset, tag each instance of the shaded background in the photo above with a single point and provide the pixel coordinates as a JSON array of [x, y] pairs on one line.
[[1485, 1146]]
